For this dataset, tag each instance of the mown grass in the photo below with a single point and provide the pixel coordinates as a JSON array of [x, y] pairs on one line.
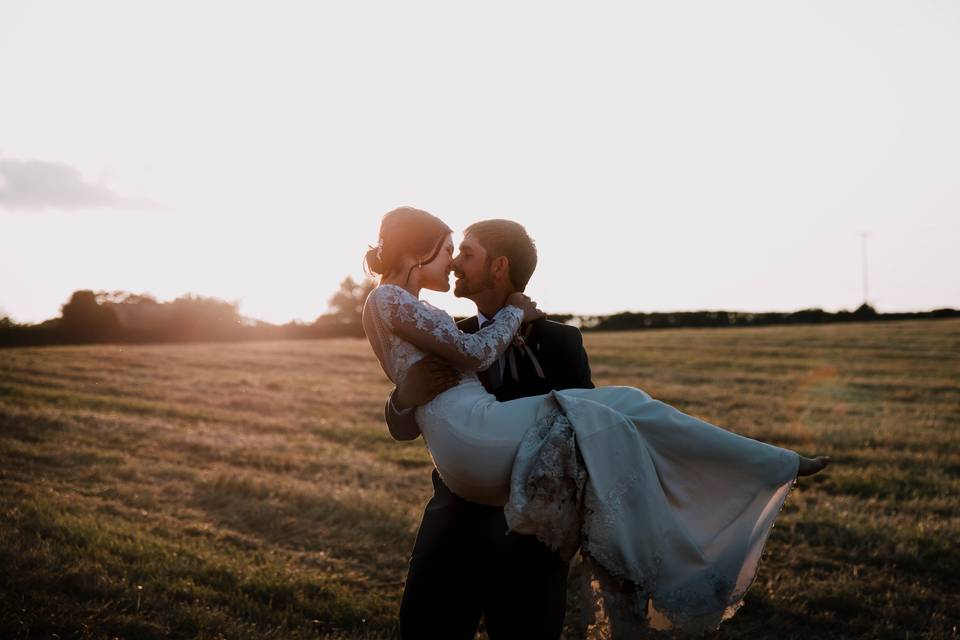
[[251, 490]]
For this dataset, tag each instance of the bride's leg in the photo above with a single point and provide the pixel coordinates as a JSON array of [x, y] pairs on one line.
[[683, 506], [631, 401]]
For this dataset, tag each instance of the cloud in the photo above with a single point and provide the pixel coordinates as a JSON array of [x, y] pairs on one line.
[[35, 185]]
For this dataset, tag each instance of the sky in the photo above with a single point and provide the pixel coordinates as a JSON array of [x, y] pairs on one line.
[[664, 156]]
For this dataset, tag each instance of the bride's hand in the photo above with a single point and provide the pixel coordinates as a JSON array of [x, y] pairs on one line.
[[528, 306]]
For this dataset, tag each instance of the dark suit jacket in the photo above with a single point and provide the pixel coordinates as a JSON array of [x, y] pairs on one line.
[[465, 563]]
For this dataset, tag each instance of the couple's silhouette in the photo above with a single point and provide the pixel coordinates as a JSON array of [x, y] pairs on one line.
[[532, 462]]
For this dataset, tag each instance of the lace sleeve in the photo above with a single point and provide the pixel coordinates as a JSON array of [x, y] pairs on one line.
[[434, 331]]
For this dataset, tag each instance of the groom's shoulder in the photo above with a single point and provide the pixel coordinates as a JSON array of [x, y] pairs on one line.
[[543, 330], [555, 332]]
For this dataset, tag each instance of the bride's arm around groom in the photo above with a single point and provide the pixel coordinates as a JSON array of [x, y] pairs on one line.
[[557, 348]]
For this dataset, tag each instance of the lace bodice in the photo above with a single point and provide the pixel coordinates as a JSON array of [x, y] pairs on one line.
[[402, 329]]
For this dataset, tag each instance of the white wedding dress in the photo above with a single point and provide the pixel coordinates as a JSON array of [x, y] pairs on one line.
[[675, 507]]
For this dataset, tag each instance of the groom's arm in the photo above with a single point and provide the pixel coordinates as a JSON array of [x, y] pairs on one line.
[[401, 423], [425, 380]]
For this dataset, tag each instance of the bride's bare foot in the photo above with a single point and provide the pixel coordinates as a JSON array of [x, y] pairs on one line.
[[810, 466]]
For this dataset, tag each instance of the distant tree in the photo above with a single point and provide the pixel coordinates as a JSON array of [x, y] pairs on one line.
[[123, 297], [84, 320], [865, 311], [944, 313], [142, 317], [346, 304], [809, 316], [192, 317]]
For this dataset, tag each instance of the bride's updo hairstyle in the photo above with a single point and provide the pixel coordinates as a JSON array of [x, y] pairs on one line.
[[406, 232]]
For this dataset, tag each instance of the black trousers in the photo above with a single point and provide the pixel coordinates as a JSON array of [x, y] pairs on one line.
[[465, 566]]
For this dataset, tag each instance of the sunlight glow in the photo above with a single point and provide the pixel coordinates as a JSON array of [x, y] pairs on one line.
[[664, 158]]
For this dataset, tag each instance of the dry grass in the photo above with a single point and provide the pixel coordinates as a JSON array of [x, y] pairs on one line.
[[251, 490]]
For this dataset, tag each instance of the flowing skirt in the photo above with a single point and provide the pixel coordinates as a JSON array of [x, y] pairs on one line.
[[672, 512]]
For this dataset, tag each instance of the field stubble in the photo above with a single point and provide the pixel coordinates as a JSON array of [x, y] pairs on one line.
[[251, 490]]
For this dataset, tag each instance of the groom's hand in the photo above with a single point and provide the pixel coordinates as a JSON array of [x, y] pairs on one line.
[[425, 380]]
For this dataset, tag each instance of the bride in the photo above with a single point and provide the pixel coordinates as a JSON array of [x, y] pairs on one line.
[[673, 509]]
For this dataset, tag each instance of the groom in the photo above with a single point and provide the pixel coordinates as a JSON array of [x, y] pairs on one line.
[[465, 565]]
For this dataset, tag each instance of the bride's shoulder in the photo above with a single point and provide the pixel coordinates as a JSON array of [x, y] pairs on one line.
[[391, 294], [391, 290]]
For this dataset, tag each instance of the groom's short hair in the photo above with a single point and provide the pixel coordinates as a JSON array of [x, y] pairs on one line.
[[510, 239]]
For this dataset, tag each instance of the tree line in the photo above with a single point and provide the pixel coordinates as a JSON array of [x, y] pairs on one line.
[[92, 317], [628, 320], [123, 317]]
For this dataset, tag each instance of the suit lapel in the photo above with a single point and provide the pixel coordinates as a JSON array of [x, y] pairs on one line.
[[469, 325]]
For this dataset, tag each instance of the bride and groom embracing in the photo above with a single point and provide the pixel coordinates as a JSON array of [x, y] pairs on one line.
[[532, 462]]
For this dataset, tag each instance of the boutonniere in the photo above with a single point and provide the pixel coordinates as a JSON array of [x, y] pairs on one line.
[[520, 340]]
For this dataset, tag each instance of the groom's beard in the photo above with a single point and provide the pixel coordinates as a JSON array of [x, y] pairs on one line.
[[465, 287]]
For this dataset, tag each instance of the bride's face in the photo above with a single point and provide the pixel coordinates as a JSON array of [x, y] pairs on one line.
[[435, 275]]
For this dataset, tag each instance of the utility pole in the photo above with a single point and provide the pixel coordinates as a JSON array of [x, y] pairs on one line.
[[863, 253]]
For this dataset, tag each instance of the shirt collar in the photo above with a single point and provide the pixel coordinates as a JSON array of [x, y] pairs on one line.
[[482, 318]]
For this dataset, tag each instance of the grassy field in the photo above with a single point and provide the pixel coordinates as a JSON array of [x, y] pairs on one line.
[[251, 490]]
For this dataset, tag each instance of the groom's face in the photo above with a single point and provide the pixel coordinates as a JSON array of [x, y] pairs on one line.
[[472, 269]]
